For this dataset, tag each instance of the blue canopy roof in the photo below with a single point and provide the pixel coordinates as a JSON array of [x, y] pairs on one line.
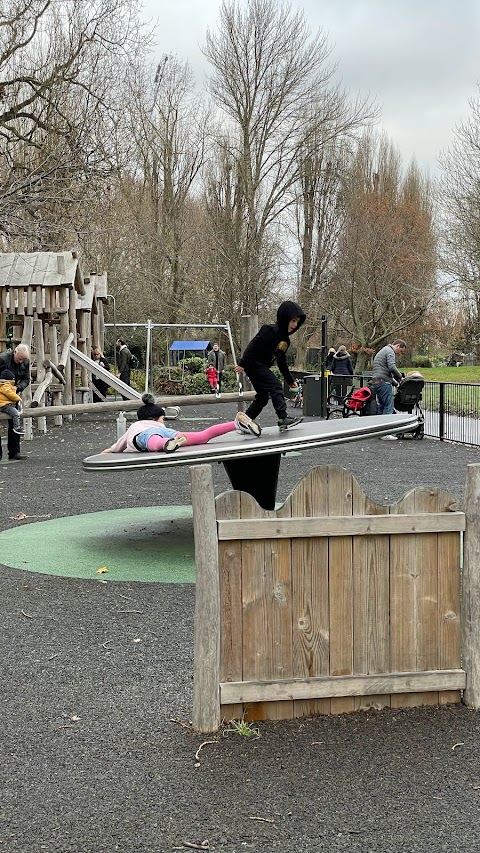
[[189, 345]]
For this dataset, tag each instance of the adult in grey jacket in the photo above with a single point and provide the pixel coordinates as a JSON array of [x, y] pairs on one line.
[[385, 372], [123, 362], [216, 359]]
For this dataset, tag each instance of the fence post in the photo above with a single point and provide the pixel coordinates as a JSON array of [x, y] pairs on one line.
[[206, 672], [441, 411], [471, 588]]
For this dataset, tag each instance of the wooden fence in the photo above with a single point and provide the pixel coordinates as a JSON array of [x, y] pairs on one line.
[[331, 604]]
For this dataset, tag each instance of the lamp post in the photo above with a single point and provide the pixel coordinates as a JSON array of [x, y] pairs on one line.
[[109, 296]]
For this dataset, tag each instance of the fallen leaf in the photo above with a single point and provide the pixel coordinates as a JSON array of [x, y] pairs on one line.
[[21, 516], [101, 571]]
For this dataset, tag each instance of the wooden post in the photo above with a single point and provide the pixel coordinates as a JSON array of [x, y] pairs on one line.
[[248, 330], [28, 333], [53, 338], [471, 588], [206, 677]]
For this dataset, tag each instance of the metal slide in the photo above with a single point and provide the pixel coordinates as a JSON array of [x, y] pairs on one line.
[[93, 367]]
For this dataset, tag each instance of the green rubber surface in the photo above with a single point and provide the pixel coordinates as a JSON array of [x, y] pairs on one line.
[[149, 544]]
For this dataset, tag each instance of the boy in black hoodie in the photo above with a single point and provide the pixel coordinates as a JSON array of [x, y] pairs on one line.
[[271, 344]]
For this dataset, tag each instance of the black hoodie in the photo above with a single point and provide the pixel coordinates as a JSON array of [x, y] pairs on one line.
[[272, 342]]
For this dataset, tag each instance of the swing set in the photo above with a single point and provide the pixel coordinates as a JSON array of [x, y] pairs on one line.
[[150, 327]]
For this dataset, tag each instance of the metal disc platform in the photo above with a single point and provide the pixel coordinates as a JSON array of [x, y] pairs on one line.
[[253, 464]]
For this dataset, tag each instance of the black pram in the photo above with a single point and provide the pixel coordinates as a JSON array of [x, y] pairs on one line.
[[407, 399]]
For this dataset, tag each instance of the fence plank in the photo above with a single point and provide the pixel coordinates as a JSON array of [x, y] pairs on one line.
[[449, 650], [346, 686], [230, 571], [413, 597], [267, 626], [310, 607], [361, 525], [371, 602], [426, 500], [403, 601], [340, 565]]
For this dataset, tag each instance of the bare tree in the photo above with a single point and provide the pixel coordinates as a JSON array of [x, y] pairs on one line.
[[160, 153], [319, 213], [57, 61], [267, 72], [385, 274], [460, 206]]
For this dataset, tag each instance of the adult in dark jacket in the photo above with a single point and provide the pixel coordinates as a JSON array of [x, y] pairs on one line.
[[329, 359], [341, 366], [123, 362], [18, 361], [270, 344]]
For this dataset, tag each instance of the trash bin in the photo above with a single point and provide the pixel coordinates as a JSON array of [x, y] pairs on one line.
[[312, 396]]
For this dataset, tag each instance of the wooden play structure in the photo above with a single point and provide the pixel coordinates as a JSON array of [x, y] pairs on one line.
[[332, 603], [50, 305]]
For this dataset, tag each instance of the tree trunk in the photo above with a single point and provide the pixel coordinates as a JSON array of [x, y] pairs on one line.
[[362, 363]]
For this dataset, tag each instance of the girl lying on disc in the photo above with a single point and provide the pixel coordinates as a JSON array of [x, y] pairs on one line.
[[149, 433]]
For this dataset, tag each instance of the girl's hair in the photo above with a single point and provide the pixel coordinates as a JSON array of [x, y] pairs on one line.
[[149, 411]]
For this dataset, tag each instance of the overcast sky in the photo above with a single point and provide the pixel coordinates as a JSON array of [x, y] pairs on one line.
[[420, 58]]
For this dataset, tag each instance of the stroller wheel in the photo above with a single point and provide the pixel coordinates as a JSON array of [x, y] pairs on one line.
[[335, 412]]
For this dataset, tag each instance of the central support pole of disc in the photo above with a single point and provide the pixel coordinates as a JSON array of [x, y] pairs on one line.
[[256, 475]]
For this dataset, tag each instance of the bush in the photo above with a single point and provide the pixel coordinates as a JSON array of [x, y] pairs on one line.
[[175, 381], [420, 361], [196, 384], [137, 380], [193, 366], [229, 380]]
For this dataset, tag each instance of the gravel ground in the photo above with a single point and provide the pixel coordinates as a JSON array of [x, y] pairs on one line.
[[96, 751]]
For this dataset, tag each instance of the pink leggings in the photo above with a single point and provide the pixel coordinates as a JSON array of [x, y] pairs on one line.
[[156, 442]]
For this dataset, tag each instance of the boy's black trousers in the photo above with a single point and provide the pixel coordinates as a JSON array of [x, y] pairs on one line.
[[266, 385]]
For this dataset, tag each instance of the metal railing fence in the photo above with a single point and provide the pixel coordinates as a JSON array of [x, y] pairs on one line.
[[452, 411]]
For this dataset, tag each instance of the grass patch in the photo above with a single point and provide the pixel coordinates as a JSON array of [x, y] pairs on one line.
[[447, 374], [243, 729]]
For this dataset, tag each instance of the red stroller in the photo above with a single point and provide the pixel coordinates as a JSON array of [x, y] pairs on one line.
[[358, 402]]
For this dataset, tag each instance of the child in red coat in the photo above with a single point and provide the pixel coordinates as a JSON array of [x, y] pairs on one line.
[[211, 372]]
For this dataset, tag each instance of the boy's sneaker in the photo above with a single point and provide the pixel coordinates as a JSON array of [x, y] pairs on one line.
[[19, 430], [174, 443], [287, 422], [245, 424]]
